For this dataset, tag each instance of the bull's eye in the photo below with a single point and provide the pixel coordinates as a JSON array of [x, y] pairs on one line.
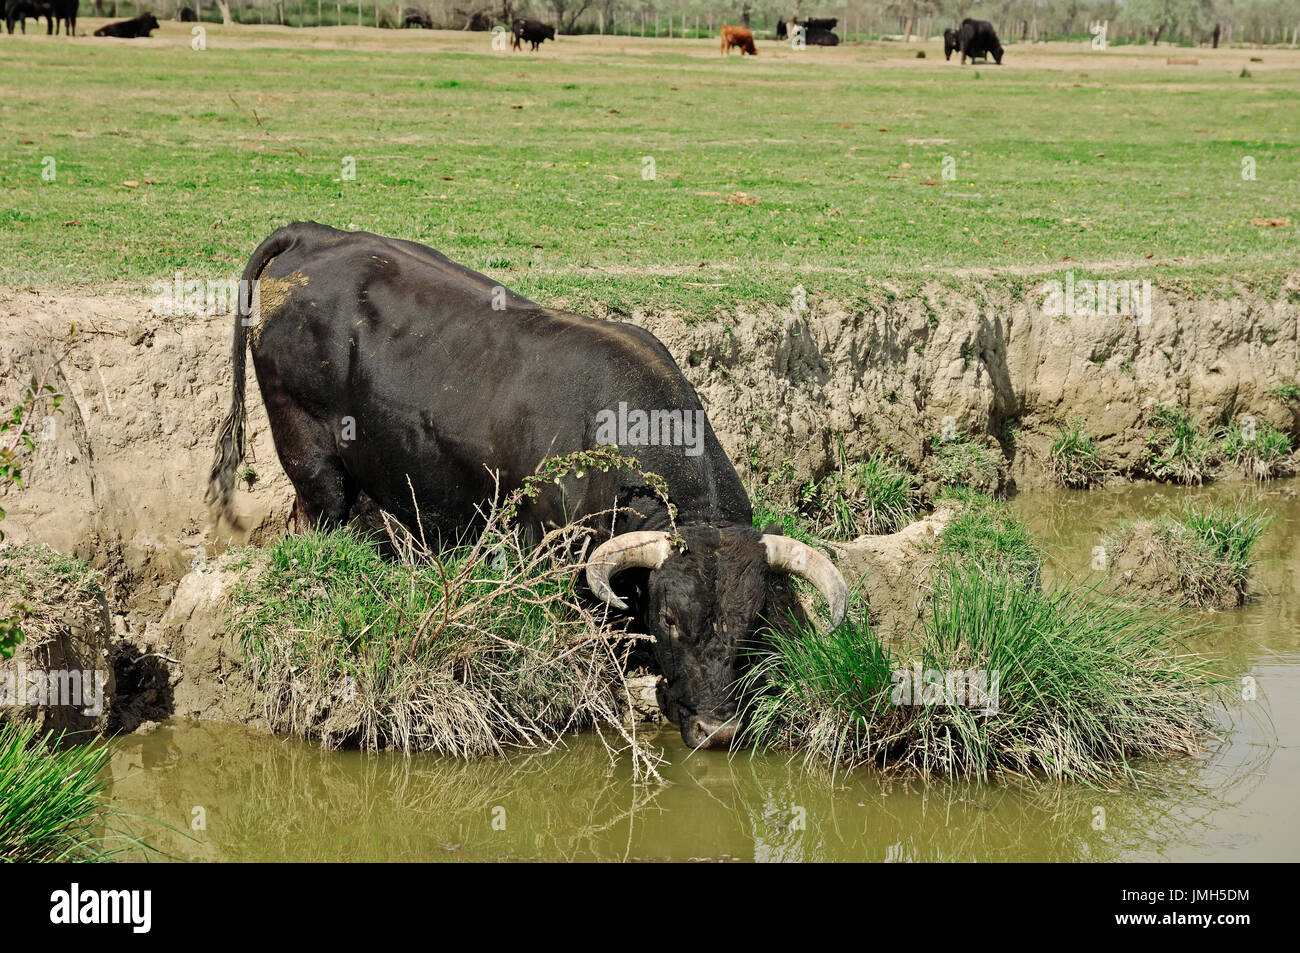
[[670, 623]]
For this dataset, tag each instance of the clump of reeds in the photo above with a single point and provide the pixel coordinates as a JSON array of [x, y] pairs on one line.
[[872, 496], [52, 805], [1258, 449], [985, 532], [1075, 459], [1077, 685], [466, 650], [1206, 549], [961, 462], [1178, 451]]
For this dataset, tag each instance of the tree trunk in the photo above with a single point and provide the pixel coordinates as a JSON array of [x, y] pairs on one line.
[[224, 7]]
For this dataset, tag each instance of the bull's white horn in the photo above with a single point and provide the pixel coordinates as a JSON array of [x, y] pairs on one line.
[[789, 555], [644, 548]]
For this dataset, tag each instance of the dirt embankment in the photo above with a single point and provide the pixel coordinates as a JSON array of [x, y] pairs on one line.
[[119, 473], [783, 387]]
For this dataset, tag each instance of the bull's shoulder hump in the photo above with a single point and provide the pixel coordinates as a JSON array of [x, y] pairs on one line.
[[613, 339]]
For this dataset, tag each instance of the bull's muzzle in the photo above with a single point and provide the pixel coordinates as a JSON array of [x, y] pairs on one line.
[[703, 731]]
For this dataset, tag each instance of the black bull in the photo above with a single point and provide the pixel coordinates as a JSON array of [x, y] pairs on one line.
[[133, 29], [530, 31], [386, 367], [974, 38]]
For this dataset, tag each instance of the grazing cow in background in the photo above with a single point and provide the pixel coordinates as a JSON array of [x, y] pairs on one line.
[[450, 383], [740, 36], [187, 15], [532, 31], [132, 29], [417, 18], [20, 10], [976, 38]]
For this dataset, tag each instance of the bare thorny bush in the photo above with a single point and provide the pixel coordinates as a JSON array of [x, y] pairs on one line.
[[487, 646]]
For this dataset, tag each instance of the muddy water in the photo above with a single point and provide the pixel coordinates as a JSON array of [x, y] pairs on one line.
[[225, 793]]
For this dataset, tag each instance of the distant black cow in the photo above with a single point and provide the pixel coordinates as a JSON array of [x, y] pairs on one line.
[[816, 30], [131, 29], [20, 10], [65, 12], [534, 31], [950, 43], [418, 19], [187, 15], [974, 38]]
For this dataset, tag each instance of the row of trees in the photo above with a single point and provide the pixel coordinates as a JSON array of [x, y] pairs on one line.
[[1240, 21], [1250, 21]]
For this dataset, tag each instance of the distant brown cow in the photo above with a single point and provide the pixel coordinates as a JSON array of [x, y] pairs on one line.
[[738, 36]]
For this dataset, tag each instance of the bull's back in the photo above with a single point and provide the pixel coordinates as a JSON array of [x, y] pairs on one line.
[[441, 376]]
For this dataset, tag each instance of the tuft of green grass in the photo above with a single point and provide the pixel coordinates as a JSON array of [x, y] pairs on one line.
[[466, 651], [1227, 537], [1075, 459], [38, 585], [1206, 549], [1259, 449], [1288, 392], [1178, 451], [874, 496], [793, 526], [986, 533], [1077, 686], [52, 805], [961, 462]]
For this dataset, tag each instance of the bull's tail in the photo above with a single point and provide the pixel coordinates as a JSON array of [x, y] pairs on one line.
[[230, 439]]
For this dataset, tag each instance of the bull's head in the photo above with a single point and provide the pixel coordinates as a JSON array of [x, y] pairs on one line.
[[949, 43], [702, 607]]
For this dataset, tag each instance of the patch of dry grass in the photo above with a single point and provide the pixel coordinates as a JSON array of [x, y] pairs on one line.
[[468, 651]]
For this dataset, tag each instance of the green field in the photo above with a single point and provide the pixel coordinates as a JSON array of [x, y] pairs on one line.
[[529, 167]]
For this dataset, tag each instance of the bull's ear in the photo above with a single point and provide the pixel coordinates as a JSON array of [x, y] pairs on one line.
[[773, 529]]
